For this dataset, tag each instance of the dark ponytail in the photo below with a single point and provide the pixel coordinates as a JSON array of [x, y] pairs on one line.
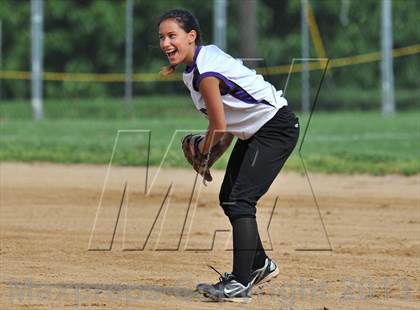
[[187, 22]]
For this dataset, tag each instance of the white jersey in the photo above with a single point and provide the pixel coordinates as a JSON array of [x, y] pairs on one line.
[[248, 100]]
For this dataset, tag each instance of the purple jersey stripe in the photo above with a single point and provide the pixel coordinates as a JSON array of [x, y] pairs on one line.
[[188, 69]]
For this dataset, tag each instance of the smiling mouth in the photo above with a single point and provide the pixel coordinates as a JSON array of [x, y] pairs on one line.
[[171, 53]]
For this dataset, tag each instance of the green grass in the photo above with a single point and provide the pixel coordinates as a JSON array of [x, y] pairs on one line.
[[84, 131]]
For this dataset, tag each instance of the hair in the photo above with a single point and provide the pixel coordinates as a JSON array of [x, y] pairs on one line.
[[187, 22]]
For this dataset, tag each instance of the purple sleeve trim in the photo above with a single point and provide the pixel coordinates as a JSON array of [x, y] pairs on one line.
[[229, 83], [234, 90]]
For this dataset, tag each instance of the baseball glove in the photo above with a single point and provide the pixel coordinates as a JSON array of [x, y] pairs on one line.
[[202, 163]]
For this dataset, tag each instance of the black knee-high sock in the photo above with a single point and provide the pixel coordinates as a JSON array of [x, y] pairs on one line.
[[260, 256], [245, 234]]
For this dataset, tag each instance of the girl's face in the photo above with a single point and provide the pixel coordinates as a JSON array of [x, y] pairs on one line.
[[178, 45]]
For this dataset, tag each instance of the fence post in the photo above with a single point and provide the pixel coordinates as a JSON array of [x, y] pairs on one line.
[[36, 48], [388, 100]]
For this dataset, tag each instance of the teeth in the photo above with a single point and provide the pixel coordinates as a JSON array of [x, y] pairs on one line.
[[171, 53]]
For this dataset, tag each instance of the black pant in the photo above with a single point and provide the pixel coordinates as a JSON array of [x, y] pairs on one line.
[[255, 163]]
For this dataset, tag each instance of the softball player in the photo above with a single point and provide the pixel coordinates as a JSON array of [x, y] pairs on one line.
[[237, 101]]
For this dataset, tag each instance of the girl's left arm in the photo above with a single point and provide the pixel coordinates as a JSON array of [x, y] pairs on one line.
[[209, 89]]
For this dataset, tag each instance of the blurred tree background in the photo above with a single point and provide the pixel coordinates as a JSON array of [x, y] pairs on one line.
[[88, 36]]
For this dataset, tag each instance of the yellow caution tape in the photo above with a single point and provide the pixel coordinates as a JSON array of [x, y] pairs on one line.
[[155, 77], [343, 61], [89, 77], [314, 30]]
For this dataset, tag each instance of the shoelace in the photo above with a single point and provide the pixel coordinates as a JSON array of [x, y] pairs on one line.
[[222, 278]]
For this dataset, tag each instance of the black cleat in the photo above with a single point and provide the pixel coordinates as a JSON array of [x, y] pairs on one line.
[[227, 289]]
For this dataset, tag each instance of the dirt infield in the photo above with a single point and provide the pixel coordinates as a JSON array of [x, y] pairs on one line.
[[51, 214]]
